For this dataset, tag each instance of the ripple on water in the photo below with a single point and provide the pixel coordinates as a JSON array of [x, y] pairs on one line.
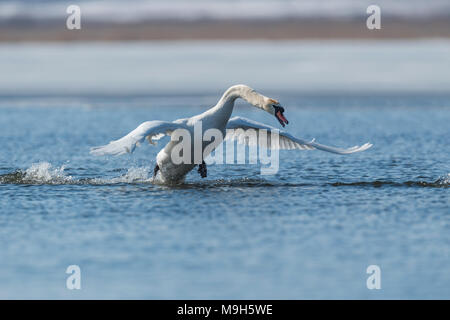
[[46, 173]]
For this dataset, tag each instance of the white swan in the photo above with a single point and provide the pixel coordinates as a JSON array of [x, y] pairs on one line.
[[217, 117]]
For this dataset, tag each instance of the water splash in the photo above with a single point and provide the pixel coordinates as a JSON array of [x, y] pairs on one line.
[[444, 180], [38, 173], [133, 175], [43, 172]]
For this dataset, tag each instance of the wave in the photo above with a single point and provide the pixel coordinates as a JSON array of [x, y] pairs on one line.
[[439, 183], [43, 173], [38, 173]]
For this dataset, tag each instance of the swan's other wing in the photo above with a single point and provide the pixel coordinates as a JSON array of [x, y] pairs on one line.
[[286, 140], [152, 130]]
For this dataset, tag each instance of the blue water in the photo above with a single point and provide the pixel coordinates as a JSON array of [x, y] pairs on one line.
[[308, 232]]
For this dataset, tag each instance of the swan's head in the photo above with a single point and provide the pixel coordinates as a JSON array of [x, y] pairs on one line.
[[273, 107]]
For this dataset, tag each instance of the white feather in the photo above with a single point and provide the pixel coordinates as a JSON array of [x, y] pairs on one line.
[[152, 130], [218, 117], [286, 140]]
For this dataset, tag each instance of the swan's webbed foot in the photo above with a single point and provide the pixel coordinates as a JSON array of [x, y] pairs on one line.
[[202, 169], [155, 171]]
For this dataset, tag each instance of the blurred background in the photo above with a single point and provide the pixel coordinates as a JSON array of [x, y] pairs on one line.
[[181, 46]]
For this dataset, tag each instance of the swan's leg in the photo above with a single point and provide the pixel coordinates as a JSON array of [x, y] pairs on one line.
[[155, 171], [202, 169]]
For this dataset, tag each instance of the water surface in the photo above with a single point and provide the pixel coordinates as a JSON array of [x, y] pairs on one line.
[[308, 232]]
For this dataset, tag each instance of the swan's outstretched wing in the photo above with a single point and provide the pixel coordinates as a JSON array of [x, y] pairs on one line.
[[286, 140], [152, 130]]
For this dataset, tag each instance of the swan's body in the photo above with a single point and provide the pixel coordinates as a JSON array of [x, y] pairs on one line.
[[218, 117]]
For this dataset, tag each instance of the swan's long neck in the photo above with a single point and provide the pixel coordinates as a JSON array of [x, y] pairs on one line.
[[226, 103]]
